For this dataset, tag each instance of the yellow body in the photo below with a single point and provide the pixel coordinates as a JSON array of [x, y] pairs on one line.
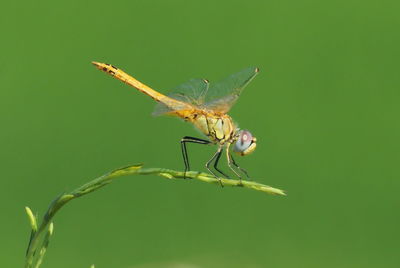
[[219, 127]]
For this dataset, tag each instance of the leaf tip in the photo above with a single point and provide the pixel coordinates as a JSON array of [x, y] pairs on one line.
[[32, 219], [51, 228]]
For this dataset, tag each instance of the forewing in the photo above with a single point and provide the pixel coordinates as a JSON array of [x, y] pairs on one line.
[[222, 95], [192, 92]]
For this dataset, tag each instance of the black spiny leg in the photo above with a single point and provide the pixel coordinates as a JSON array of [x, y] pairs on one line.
[[230, 162], [236, 165], [216, 156], [216, 164], [184, 140]]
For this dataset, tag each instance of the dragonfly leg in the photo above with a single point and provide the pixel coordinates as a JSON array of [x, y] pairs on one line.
[[236, 165], [185, 140], [216, 165], [230, 162], [216, 156]]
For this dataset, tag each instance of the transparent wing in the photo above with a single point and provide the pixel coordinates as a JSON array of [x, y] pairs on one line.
[[193, 92], [169, 105], [222, 95], [218, 97]]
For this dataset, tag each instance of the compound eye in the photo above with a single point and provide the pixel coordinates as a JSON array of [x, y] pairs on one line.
[[243, 142]]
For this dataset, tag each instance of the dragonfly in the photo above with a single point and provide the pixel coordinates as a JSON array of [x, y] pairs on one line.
[[206, 106]]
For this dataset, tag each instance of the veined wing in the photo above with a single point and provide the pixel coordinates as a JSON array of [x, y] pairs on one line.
[[218, 97], [222, 95], [193, 92]]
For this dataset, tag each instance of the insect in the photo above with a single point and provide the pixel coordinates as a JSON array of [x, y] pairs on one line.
[[206, 107]]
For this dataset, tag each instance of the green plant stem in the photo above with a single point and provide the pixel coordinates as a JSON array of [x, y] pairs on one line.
[[59, 202], [44, 246]]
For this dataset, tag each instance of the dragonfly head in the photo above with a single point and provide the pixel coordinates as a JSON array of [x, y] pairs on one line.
[[245, 143]]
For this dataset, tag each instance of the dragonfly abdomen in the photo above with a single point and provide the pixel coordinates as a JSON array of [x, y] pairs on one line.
[[155, 95]]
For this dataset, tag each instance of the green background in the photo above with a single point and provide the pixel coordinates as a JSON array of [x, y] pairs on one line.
[[324, 108]]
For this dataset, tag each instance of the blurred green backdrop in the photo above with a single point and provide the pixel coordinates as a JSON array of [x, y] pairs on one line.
[[325, 110]]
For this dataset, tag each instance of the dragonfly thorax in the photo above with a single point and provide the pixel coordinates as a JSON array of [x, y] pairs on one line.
[[218, 128]]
